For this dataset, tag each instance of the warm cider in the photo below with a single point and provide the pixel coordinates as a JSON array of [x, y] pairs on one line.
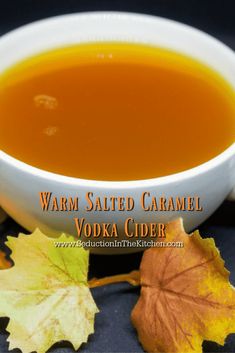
[[114, 111]]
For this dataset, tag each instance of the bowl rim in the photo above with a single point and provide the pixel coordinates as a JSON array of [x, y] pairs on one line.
[[129, 184]]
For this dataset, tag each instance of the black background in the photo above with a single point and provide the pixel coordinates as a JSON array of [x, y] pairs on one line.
[[214, 16], [113, 330]]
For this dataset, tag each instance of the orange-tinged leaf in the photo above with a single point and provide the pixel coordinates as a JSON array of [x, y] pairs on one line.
[[186, 296], [4, 263]]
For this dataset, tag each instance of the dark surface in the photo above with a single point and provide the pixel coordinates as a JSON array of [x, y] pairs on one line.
[[214, 16], [113, 329]]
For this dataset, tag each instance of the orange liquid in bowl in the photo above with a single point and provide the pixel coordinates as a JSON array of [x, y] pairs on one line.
[[114, 111]]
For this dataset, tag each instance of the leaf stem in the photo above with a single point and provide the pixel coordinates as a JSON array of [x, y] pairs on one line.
[[133, 278]]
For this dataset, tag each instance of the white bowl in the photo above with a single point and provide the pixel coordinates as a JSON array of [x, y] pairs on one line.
[[21, 183]]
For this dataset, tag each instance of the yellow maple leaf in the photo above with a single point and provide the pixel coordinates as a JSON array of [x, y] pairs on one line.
[[185, 297], [45, 294]]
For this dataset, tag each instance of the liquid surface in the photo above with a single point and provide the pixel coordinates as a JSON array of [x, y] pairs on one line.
[[114, 111]]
